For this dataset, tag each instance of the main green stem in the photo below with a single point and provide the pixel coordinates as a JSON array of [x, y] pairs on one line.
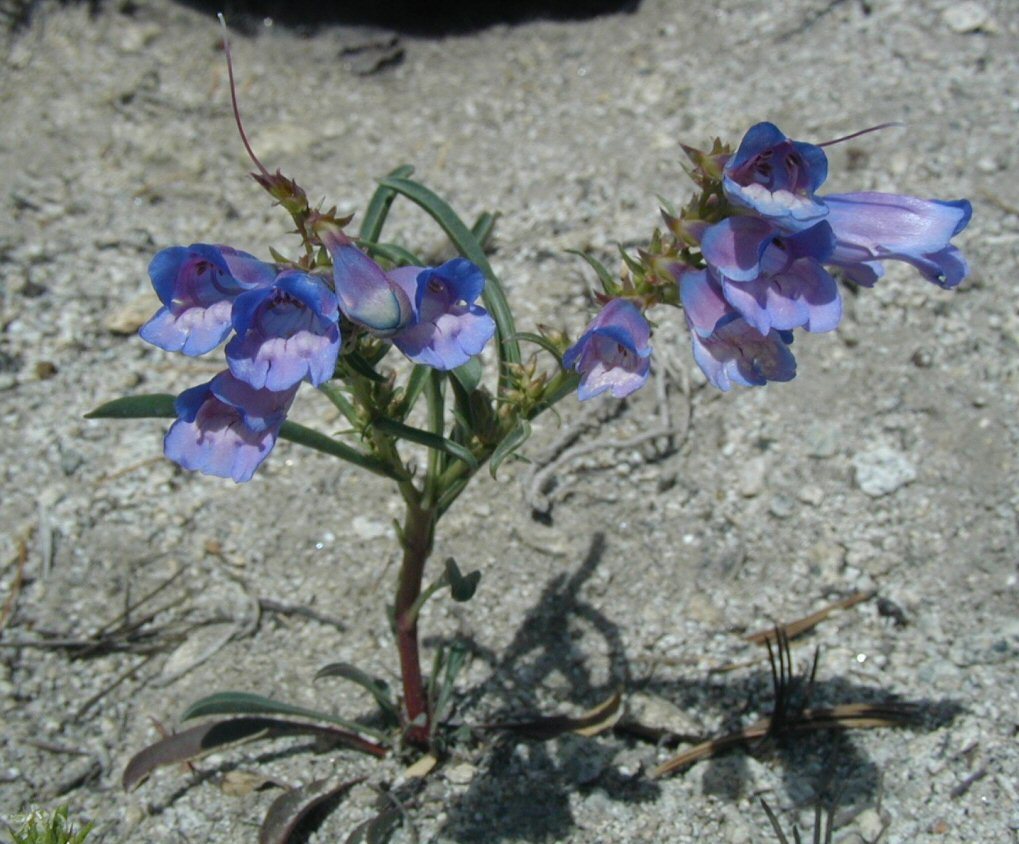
[[418, 536]]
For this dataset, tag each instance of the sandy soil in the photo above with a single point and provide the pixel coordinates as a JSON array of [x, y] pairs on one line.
[[651, 563]]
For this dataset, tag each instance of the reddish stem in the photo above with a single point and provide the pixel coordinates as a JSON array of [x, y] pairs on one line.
[[418, 533]]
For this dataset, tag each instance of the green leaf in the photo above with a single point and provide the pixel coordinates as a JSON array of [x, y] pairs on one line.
[[392, 252], [160, 405], [205, 738], [462, 587], [415, 435], [310, 438], [415, 384], [469, 375], [632, 263], [483, 227], [246, 703], [468, 246], [292, 808], [361, 366], [544, 342], [604, 276], [154, 406], [378, 208], [453, 662], [509, 444], [377, 688]]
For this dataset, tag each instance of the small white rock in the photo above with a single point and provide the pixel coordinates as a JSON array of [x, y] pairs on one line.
[[461, 774], [967, 16], [882, 470]]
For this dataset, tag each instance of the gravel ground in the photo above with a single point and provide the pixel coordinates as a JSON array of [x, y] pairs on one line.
[[887, 465]]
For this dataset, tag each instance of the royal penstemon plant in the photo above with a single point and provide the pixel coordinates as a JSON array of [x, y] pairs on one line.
[[754, 255]]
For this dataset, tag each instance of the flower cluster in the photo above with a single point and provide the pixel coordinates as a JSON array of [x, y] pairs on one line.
[[753, 257], [286, 325]]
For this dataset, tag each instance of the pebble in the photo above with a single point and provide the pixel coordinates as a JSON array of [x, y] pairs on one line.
[[461, 774], [781, 506], [965, 17], [752, 477], [882, 470], [367, 528], [131, 316], [811, 494], [822, 440]]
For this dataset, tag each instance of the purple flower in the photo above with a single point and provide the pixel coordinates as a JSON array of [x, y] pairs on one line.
[[613, 353], [726, 347], [775, 178], [446, 329], [285, 332], [197, 285], [772, 279], [226, 428], [872, 227], [367, 294]]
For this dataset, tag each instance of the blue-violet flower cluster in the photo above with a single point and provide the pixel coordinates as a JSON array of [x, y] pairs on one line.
[[753, 257], [286, 328]]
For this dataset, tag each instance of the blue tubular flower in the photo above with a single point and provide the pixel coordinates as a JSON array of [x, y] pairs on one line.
[[285, 333], [613, 353], [366, 294], [447, 329], [197, 286], [871, 227], [726, 347], [774, 280], [775, 177], [226, 428]]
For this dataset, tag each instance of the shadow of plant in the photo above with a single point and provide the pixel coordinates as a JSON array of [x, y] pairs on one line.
[[523, 789]]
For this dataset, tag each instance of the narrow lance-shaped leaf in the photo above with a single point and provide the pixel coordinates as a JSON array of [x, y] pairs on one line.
[[205, 738], [246, 703], [392, 252], [468, 246], [154, 406], [377, 688], [419, 376], [603, 717], [609, 284], [544, 342], [483, 227], [290, 809], [517, 436], [378, 207], [415, 435], [161, 406]]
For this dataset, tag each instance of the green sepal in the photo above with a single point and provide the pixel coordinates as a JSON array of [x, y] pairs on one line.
[[247, 703], [396, 429], [378, 207], [517, 436]]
